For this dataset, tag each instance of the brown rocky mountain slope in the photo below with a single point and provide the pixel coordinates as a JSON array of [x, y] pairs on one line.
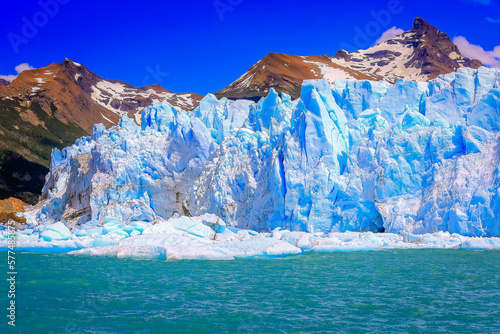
[[285, 73], [9, 208], [84, 98], [51, 107]]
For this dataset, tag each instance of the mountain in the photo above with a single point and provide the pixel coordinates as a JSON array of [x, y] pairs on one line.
[[50, 107], [120, 97], [28, 134], [285, 73], [54, 88], [3, 82], [419, 54], [84, 98]]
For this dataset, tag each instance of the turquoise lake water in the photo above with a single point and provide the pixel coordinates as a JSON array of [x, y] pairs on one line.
[[389, 291]]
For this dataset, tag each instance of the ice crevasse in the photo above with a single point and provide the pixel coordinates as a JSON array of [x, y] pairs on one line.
[[409, 158]]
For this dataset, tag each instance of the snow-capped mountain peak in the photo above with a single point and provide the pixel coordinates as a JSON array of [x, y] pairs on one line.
[[122, 98], [419, 54], [84, 98]]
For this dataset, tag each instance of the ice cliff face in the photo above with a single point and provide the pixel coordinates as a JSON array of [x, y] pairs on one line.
[[414, 157]]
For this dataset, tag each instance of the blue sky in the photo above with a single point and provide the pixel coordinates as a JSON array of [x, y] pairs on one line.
[[202, 46]]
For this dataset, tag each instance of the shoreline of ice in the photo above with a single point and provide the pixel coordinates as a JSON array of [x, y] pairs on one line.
[[208, 238]]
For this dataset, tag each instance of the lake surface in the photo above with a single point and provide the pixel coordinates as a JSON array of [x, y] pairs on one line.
[[387, 291]]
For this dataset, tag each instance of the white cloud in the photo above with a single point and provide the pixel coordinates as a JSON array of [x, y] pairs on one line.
[[490, 58], [388, 34], [19, 68]]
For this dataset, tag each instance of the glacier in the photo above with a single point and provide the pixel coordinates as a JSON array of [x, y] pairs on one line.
[[418, 161]]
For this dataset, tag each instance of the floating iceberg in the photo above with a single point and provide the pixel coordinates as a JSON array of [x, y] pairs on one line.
[[410, 158]]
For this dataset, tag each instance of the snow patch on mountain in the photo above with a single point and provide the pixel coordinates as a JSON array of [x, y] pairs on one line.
[[331, 74], [112, 95]]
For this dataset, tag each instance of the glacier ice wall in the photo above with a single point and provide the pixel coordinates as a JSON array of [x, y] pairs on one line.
[[410, 157]]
